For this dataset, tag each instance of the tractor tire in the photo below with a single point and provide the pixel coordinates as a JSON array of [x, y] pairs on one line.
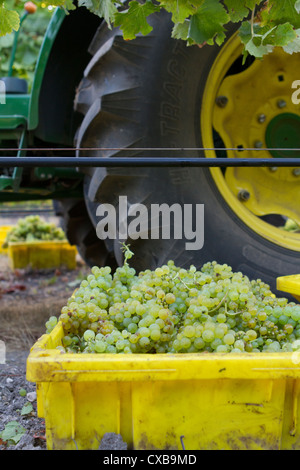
[[80, 232], [148, 93]]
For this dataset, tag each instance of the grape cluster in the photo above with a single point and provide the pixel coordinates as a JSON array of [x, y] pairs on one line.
[[33, 228], [176, 310]]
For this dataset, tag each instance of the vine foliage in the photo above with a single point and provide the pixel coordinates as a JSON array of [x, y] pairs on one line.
[[262, 25]]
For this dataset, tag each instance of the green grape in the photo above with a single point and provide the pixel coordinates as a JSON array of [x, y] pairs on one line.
[[219, 332], [185, 342], [288, 328], [208, 336], [233, 295], [132, 327], [222, 348], [119, 317], [120, 344], [67, 340], [221, 318], [171, 309], [229, 339], [163, 313], [52, 320], [246, 316], [189, 331], [144, 331], [170, 298], [239, 344], [144, 341], [176, 345], [32, 228], [100, 346], [283, 319], [252, 335], [133, 338], [92, 317], [155, 334], [215, 343], [89, 335], [199, 343]]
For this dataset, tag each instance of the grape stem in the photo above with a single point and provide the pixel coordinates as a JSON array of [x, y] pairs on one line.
[[185, 285], [219, 305], [127, 253], [252, 22]]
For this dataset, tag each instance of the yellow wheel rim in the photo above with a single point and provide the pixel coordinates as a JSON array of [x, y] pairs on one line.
[[249, 109]]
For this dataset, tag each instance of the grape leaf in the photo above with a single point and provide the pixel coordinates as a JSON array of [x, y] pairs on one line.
[[294, 45], [239, 10], [257, 49], [280, 35], [207, 25], [55, 3], [26, 409], [261, 38], [9, 20], [69, 5], [181, 30], [13, 431], [103, 8], [181, 9], [134, 20], [280, 12], [253, 45]]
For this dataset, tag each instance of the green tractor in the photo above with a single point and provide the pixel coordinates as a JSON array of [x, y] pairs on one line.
[[103, 96]]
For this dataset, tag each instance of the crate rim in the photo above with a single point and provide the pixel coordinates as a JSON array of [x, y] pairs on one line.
[[46, 363]]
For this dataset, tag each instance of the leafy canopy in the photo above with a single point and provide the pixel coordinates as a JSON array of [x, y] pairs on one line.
[[30, 38], [263, 24]]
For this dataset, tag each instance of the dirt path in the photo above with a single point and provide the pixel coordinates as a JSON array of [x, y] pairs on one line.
[[28, 298]]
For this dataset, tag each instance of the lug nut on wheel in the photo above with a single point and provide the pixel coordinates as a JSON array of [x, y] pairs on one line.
[[258, 144], [261, 118], [243, 195], [281, 104], [221, 101]]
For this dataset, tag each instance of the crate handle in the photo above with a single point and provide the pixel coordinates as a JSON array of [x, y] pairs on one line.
[[97, 371]]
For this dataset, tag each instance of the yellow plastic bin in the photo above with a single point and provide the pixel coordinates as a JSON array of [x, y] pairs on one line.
[[289, 284], [207, 401], [42, 255], [4, 229]]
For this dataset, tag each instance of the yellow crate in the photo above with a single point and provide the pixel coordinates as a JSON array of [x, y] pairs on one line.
[[216, 401], [289, 284], [42, 255], [4, 229]]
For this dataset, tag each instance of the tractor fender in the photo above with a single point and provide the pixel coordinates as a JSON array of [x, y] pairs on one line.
[[62, 60]]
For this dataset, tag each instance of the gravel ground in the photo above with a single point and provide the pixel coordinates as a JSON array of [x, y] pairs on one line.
[[18, 404], [17, 394]]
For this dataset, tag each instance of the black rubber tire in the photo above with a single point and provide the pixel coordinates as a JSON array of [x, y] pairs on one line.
[[80, 231], [147, 93]]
